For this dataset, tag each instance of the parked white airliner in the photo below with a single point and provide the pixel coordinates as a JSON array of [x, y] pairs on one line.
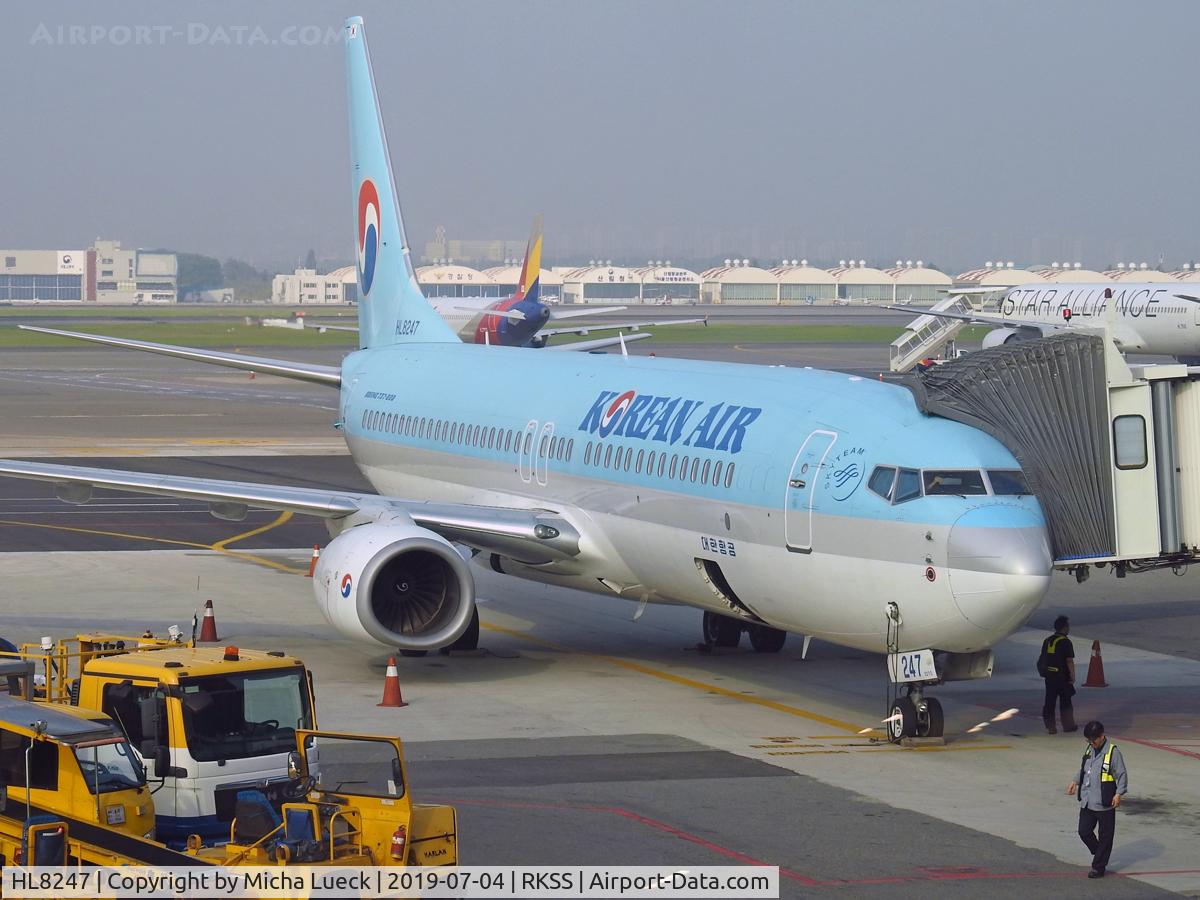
[[773, 499], [1150, 317]]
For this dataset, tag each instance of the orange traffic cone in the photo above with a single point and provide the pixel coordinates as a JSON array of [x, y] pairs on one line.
[[391, 686], [208, 628], [1096, 668], [251, 376], [312, 565]]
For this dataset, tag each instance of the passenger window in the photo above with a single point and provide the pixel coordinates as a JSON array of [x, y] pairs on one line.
[[587, 454], [695, 468], [570, 448], [620, 451], [1129, 441], [729, 476], [717, 473], [881, 480], [959, 482], [662, 464], [366, 412], [704, 471], [553, 448], [1010, 482], [628, 459], [674, 463], [607, 455], [908, 486], [650, 463]]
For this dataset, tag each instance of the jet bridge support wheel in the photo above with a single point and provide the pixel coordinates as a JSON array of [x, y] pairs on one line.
[[721, 631]]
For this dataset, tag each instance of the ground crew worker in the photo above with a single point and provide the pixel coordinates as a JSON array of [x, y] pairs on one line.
[[1101, 782], [1057, 666]]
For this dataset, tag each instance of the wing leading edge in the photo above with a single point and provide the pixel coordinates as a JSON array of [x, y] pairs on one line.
[[327, 375], [533, 536]]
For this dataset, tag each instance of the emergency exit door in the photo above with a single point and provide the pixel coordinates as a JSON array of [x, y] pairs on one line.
[[801, 490]]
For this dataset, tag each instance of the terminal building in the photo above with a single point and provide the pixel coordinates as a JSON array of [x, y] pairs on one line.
[[306, 287], [102, 273]]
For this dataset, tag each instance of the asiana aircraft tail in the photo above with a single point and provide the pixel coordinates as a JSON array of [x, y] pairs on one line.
[[772, 499]]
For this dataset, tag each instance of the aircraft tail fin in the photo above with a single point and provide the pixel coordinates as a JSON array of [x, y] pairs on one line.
[[391, 307], [531, 270]]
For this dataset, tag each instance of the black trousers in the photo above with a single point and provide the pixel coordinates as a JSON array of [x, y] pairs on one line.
[[1058, 691], [1100, 848]]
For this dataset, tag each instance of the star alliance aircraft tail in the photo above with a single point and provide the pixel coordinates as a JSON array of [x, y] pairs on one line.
[[391, 307]]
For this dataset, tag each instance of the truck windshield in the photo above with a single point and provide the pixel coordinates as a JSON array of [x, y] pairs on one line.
[[244, 714], [110, 767]]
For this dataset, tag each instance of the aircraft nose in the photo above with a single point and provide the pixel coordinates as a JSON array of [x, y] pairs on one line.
[[1000, 565]]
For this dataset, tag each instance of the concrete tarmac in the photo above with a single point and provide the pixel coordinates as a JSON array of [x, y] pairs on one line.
[[581, 736]]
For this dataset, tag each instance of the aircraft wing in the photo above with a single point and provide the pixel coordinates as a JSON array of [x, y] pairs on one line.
[[600, 343], [330, 375], [515, 314], [536, 535], [558, 312], [618, 326]]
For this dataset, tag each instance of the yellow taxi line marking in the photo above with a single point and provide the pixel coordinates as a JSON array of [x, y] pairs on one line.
[[120, 534], [248, 557], [681, 680], [274, 523]]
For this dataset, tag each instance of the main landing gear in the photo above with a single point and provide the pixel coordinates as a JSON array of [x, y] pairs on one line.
[[915, 716], [725, 631]]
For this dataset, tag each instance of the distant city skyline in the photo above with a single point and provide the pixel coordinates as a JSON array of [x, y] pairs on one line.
[[954, 133]]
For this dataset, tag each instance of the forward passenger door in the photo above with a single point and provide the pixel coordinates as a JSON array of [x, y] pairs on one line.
[[801, 490]]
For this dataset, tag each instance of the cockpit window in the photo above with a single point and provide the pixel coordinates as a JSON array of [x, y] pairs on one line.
[[881, 481], [908, 486], [953, 481], [1008, 482]]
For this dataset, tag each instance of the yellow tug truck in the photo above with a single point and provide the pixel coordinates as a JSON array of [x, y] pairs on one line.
[[220, 751]]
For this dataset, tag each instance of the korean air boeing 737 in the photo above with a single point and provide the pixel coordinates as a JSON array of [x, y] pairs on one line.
[[773, 499]]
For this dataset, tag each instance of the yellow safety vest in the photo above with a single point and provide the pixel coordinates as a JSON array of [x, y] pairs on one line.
[[1105, 766], [1051, 646]]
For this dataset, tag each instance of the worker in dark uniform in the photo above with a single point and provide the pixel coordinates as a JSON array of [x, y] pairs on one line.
[[1101, 783], [1057, 666]]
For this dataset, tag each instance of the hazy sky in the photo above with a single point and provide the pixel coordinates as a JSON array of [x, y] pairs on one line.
[[951, 131]]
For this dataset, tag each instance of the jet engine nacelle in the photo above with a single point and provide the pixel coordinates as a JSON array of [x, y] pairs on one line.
[[395, 584], [999, 336]]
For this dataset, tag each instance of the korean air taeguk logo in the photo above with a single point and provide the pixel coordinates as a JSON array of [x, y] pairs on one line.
[[347, 585], [368, 233]]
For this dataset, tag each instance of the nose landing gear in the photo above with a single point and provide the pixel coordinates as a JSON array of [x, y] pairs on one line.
[[915, 715]]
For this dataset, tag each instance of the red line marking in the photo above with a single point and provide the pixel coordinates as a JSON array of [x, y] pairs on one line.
[[948, 874], [648, 822], [1158, 746]]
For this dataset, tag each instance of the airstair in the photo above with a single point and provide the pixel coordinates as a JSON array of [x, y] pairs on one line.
[[927, 335]]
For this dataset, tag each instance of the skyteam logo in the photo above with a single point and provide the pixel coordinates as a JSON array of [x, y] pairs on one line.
[[612, 416], [347, 584], [368, 233], [671, 420]]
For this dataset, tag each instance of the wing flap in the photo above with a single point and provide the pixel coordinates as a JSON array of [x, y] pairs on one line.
[[601, 343], [328, 375]]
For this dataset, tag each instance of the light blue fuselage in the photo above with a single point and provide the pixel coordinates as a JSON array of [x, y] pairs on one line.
[[798, 538]]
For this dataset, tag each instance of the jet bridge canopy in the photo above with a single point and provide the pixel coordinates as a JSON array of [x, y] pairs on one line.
[[1047, 401]]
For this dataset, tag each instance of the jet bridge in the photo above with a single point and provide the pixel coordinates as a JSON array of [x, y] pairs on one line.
[[1111, 451]]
